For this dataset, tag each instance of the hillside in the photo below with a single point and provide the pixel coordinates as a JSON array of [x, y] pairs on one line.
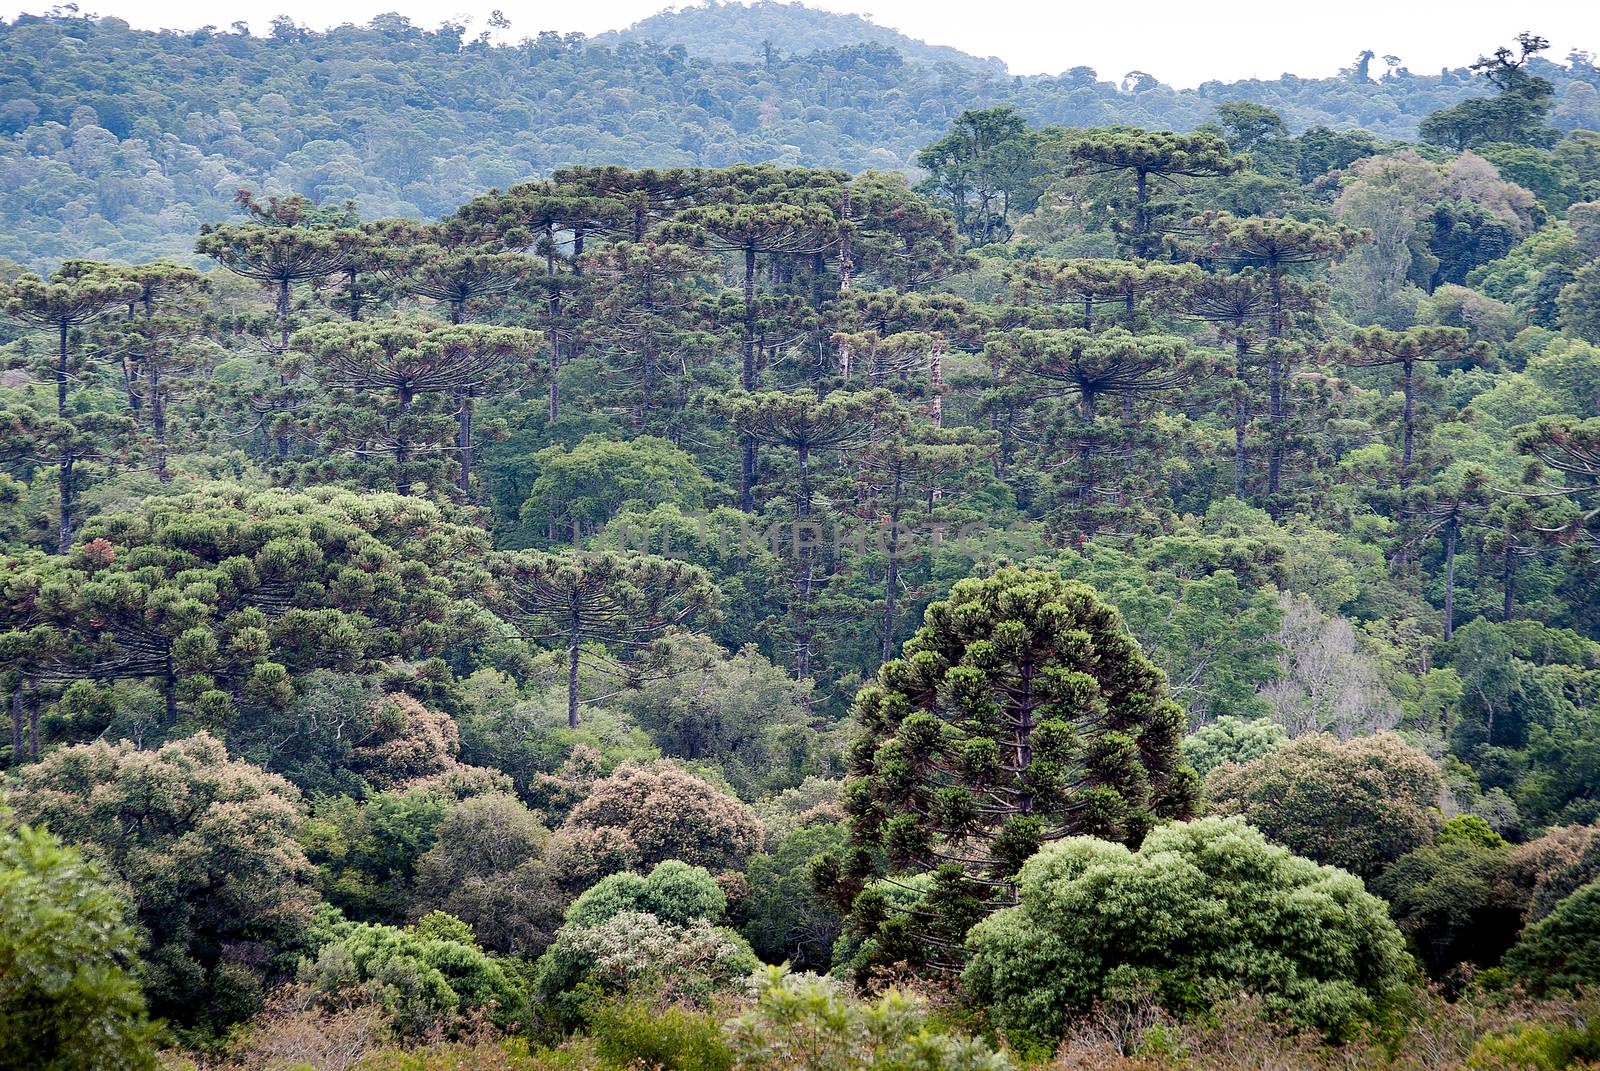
[[120, 142], [739, 33]]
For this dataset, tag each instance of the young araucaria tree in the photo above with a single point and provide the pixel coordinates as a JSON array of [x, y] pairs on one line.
[[389, 364], [607, 610], [1378, 347]]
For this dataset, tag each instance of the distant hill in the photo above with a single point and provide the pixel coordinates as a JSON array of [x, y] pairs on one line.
[[119, 143], [737, 32]]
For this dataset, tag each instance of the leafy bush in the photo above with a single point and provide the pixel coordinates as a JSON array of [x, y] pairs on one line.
[[637, 954], [66, 1001], [802, 1022], [426, 978], [788, 921], [673, 892], [1202, 909], [648, 813], [1561, 950], [1358, 804], [1455, 902], [1231, 739]]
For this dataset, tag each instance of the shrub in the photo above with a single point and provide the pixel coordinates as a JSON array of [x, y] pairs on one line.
[[658, 811], [1358, 804], [1561, 950], [634, 1034], [1455, 902], [787, 919], [1231, 739], [426, 982], [1202, 908], [488, 868], [207, 847], [806, 1023], [637, 954], [674, 892], [66, 1001]]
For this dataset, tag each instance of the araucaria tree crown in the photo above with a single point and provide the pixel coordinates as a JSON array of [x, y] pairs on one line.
[[1020, 713]]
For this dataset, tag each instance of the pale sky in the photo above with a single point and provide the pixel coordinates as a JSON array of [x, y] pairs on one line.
[[1182, 42]]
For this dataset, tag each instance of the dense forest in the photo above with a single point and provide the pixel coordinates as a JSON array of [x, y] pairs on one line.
[[119, 143], [1123, 596]]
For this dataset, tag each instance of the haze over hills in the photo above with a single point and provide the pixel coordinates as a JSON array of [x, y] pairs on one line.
[[120, 142], [740, 33]]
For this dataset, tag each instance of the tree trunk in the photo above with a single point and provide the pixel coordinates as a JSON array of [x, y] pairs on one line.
[[158, 423], [553, 312], [69, 502], [1508, 581], [402, 444], [891, 578], [464, 439], [1450, 580], [16, 722], [1275, 411], [846, 270], [574, 642], [61, 372], [747, 379], [1407, 387], [1240, 420], [936, 382]]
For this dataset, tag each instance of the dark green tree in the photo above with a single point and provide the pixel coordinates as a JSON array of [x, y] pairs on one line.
[[1020, 713]]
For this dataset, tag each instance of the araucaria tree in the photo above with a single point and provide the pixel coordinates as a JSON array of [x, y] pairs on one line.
[[1146, 155], [390, 364], [617, 604], [1378, 347], [1020, 713], [1277, 247]]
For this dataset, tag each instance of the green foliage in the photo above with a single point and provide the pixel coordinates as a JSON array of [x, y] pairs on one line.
[[1231, 739], [1561, 950], [789, 921], [1358, 804], [1453, 901], [631, 1033], [634, 953], [426, 978], [1201, 910], [673, 892], [206, 847], [67, 1000], [1020, 712], [807, 1023]]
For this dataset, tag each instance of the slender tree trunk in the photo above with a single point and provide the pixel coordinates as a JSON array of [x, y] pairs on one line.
[[1141, 215], [1450, 580], [554, 313], [69, 503], [1275, 412], [747, 379], [1407, 387], [33, 732], [402, 443], [61, 371], [1508, 581], [936, 382], [891, 577], [1240, 419], [282, 441], [16, 722], [158, 423], [846, 270], [574, 643]]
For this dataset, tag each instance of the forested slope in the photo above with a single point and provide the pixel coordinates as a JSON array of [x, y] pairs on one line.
[[121, 142]]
